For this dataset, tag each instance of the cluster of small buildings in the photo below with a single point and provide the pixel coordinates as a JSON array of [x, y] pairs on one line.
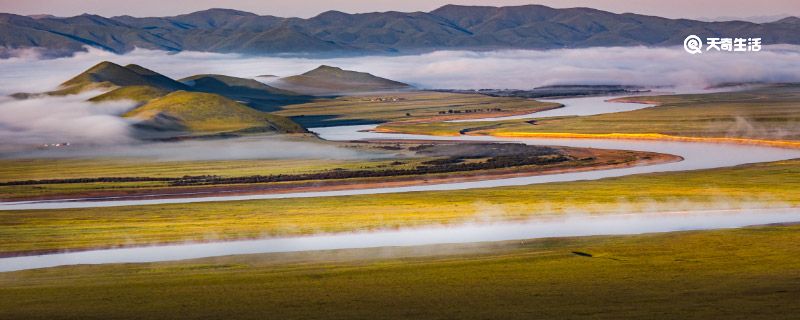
[[384, 99], [56, 145], [451, 111]]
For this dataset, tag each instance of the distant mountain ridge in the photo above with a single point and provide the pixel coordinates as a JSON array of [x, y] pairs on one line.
[[449, 27]]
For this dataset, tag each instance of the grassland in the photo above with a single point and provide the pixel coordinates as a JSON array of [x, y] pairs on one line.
[[42, 169], [413, 106], [770, 184], [36, 169], [197, 112], [770, 113], [749, 273], [140, 94], [27, 179]]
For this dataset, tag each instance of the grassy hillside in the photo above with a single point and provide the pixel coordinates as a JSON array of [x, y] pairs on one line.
[[222, 84], [247, 91], [327, 79], [205, 113], [140, 94], [748, 273], [108, 75]]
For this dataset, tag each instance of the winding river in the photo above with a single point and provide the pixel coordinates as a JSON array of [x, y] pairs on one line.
[[585, 106], [559, 226], [696, 156]]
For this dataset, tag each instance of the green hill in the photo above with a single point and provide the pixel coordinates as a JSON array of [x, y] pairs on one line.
[[107, 75], [140, 94], [206, 113], [247, 91], [330, 80], [222, 84]]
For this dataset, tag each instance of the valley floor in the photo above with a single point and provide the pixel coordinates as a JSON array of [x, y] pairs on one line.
[[744, 273]]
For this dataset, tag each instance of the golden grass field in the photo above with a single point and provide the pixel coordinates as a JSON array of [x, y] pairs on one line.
[[748, 273], [376, 158], [758, 185]]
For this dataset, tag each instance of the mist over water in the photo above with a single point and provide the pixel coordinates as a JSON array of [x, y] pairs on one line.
[[541, 227]]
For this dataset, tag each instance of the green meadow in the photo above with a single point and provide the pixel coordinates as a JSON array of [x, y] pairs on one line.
[[43, 169], [748, 273]]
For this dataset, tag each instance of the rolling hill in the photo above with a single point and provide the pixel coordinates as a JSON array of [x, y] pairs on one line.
[[218, 83], [449, 27], [107, 75], [333, 80], [248, 91], [198, 106], [134, 82], [200, 113], [140, 94]]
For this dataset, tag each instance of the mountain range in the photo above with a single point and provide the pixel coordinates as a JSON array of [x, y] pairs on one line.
[[333, 32]]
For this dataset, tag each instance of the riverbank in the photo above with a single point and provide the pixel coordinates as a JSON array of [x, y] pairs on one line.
[[649, 136], [580, 160]]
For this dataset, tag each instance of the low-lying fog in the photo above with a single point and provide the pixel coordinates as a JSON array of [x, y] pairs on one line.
[[41, 127], [70, 119], [513, 69]]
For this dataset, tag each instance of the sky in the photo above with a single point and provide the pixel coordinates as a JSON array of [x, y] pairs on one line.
[[309, 8]]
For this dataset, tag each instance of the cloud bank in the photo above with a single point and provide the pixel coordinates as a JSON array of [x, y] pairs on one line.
[[39, 127], [52, 120], [513, 69]]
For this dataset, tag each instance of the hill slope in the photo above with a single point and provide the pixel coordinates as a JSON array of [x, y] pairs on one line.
[[140, 94], [449, 27], [222, 84], [109, 75], [206, 113], [330, 80], [248, 91]]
